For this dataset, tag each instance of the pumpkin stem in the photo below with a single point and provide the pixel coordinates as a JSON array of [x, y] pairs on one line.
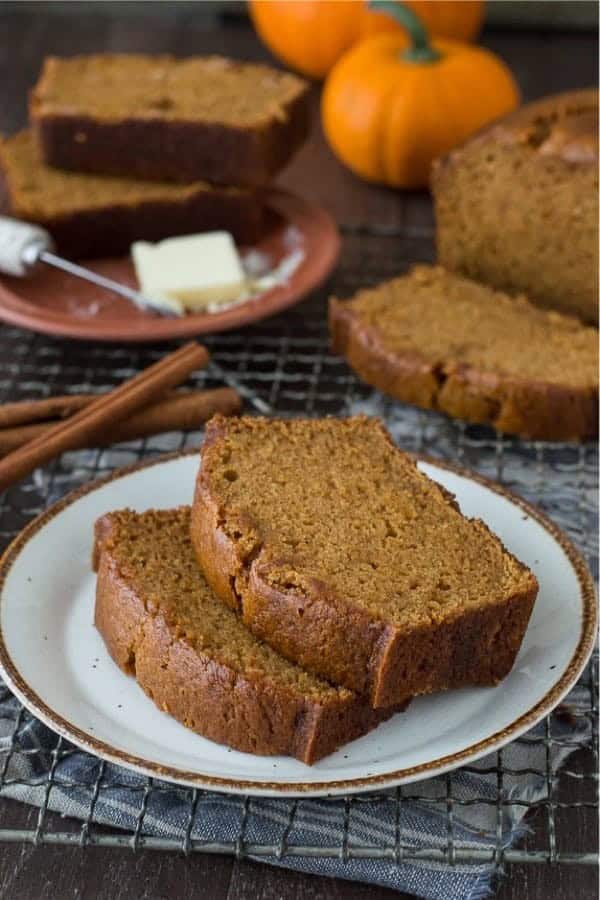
[[420, 49]]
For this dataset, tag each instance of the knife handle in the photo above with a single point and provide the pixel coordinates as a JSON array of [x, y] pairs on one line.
[[21, 245]]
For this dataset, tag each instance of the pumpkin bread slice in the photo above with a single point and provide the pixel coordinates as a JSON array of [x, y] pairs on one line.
[[193, 656], [441, 341], [337, 551], [158, 117]]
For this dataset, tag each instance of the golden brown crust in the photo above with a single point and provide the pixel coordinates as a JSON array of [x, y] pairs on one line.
[[528, 408], [339, 641], [248, 713], [563, 125]]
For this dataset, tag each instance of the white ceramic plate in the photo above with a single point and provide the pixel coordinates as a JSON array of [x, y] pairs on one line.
[[56, 663]]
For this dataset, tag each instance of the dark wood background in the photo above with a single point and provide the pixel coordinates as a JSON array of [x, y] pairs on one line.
[[543, 62]]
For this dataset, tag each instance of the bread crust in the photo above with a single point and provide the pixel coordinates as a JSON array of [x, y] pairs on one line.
[[310, 625], [251, 714], [531, 409], [182, 151], [582, 149], [111, 231]]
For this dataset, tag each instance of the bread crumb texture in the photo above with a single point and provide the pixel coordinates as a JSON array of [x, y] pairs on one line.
[[114, 87], [517, 205], [451, 320], [334, 501]]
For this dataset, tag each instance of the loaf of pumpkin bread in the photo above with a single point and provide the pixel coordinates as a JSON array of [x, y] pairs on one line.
[[437, 340], [337, 551], [96, 215], [517, 205], [200, 118], [194, 657]]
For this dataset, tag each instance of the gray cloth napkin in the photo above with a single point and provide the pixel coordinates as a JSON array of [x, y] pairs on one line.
[[169, 811]]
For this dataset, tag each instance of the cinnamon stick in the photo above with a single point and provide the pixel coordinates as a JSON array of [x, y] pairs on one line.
[[176, 411], [89, 423], [28, 411]]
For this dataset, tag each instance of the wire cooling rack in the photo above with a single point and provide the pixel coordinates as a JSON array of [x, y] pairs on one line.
[[285, 363]]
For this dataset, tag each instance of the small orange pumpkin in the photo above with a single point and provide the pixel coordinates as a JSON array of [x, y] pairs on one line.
[[394, 103], [311, 35]]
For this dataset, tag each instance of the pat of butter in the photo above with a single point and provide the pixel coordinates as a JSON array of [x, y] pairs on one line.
[[195, 271]]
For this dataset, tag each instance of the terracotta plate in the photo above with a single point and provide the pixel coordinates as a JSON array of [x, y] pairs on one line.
[[56, 303], [54, 660]]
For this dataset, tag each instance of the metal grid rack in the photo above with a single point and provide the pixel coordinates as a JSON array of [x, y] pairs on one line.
[[286, 363]]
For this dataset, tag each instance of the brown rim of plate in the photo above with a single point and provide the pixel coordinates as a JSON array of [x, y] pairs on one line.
[[194, 779]]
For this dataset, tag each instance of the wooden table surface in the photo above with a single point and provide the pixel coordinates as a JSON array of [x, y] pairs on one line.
[[543, 63]]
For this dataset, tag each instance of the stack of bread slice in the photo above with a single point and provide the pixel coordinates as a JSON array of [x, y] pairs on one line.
[[318, 582], [126, 147]]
